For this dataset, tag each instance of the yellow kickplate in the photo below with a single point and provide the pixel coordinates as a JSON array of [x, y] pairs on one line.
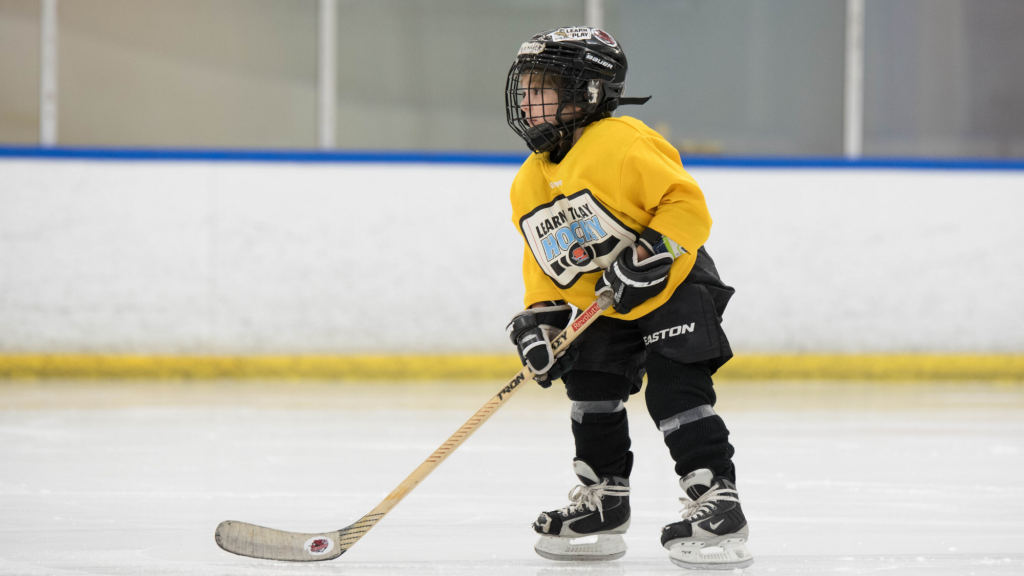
[[874, 367], [499, 366], [383, 367]]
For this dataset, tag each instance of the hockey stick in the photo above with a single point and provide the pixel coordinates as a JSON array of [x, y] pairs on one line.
[[260, 542]]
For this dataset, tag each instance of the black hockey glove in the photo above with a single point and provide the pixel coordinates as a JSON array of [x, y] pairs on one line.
[[630, 281], [532, 331]]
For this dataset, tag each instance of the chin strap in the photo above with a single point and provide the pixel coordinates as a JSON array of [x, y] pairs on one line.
[[633, 101], [543, 135]]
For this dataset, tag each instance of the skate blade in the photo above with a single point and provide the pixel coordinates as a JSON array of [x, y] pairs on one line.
[[727, 555], [602, 548]]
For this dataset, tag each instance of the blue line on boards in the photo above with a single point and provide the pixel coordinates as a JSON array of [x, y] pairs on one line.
[[492, 158], [239, 155]]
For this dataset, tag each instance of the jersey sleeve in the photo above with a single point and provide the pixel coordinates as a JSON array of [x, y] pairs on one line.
[[652, 172], [538, 286]]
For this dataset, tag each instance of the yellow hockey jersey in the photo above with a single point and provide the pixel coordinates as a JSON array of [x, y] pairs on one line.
[[619, 179]]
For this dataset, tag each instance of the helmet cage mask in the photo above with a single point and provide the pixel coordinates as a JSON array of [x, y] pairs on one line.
[[587, 84]]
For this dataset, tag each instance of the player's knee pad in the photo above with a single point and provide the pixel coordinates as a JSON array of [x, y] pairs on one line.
[[599, 422], [587, 385], [674, 388]]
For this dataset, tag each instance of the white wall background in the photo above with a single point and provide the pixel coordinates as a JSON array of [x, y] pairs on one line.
[[216, 258]]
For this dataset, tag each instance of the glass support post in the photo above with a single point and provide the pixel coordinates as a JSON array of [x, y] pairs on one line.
[[593, 13], [327, 74], [853, 101], [48, 73]]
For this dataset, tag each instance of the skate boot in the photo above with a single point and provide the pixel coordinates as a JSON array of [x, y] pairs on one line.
[[591, 526], [713, 533]]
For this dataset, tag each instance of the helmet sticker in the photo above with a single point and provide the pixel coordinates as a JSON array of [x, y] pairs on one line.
[[531, 48], [594, 91], [575, 33], [604, 37]]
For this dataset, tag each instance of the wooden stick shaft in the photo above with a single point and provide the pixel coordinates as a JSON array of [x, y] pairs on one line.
[[261, 542], [560, 343]]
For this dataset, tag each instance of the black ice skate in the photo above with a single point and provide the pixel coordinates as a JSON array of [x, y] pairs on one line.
[[591, 526], [713, 533]]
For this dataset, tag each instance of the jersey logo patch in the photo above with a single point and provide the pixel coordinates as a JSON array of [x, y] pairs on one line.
[[579, 256], [575, 235]]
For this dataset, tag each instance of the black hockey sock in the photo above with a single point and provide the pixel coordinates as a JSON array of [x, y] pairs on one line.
[[681, 398], [599, 422]]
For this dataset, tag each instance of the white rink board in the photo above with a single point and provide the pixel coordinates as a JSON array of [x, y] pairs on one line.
[[248, 258]]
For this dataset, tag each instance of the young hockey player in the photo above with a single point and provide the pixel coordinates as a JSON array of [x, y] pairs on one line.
[[604, 205]]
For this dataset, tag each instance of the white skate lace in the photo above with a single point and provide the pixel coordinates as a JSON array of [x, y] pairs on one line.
[[589, 497], [706, 503]]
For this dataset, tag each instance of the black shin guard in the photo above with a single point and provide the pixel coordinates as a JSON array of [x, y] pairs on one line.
[[599, 423], [680, 399]]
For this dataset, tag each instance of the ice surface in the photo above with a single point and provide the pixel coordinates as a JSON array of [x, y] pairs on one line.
[[846, 478]]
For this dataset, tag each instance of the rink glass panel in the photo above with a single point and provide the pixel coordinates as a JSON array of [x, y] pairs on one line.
[[942, 78], [737, 76], [19, 71], [225, 73], [431, 74]]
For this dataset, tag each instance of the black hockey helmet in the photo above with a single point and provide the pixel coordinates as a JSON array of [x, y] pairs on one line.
[[586, 67]]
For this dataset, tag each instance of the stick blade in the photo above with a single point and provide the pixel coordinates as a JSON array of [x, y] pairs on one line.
[[255, 541]]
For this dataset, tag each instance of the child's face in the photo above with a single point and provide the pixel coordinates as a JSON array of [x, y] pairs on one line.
[[540, 99]]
